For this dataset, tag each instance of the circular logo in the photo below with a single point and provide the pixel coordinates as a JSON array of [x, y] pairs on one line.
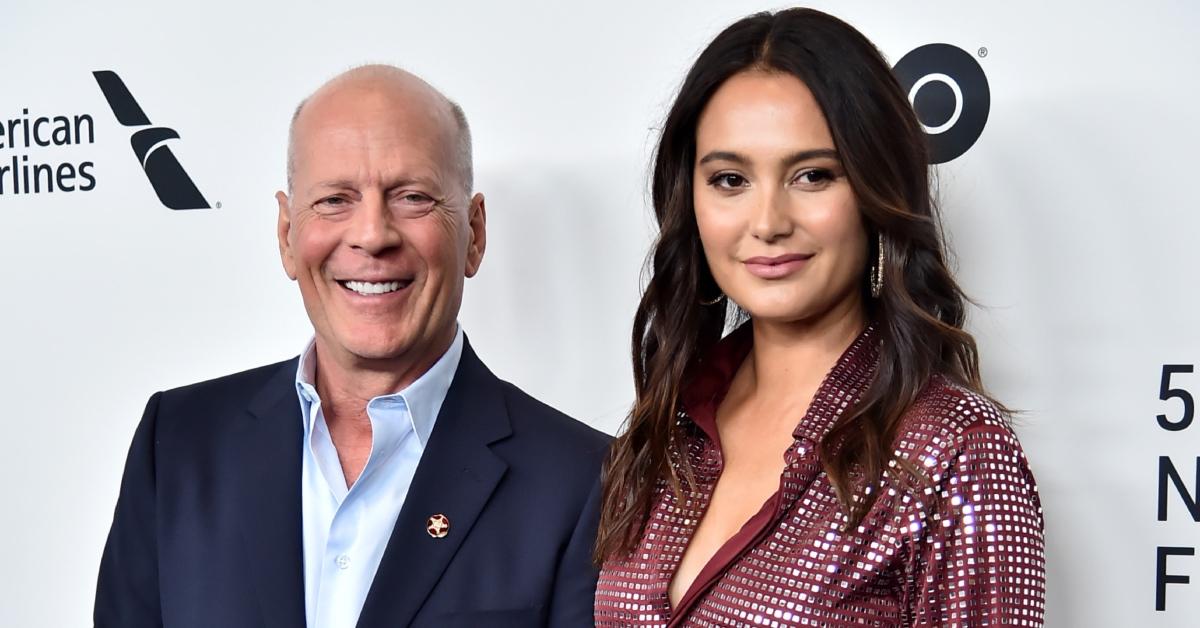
[[438, 526], [950, 94]]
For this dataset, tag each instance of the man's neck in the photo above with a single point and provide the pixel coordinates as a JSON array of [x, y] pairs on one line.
[[346, 383], [346, 386]]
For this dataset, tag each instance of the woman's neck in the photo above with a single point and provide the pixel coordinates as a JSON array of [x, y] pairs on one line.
[[791, 359]]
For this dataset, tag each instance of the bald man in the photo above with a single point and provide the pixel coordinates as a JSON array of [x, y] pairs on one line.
[[384, 477]]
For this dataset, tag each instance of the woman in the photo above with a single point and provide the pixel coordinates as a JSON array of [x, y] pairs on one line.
[[834, 460]]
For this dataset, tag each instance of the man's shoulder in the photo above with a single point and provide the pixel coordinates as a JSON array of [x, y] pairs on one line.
[[552, 448], [236, 388], [549, 452], [534, 418], [197, 423]]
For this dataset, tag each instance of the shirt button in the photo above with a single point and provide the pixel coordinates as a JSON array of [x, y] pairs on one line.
[[343, 561]]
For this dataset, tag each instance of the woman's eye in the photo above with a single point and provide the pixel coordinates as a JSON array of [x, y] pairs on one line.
[[815, 177], [727, 181]]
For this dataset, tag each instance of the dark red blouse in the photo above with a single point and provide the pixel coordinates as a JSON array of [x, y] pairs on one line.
[[961, 547]]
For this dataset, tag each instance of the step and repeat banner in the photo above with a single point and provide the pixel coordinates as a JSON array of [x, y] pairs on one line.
[[141, 144]]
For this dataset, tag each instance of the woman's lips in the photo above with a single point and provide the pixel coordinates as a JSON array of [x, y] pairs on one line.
[[776, 267]]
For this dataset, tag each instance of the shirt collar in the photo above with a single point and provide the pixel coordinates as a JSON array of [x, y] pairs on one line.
[[423, 398], [842, 386]]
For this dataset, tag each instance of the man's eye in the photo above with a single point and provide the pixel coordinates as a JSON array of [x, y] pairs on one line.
[[414, 198], [727, 181], [412, 204], [332, 203]]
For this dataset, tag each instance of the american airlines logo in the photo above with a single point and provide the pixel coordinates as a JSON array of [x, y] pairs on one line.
[[168, 178]]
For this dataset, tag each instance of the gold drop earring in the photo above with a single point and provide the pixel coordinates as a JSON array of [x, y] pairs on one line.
[[877, 271]]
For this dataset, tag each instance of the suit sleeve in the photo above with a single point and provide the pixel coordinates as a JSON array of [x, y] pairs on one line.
[[127, 593], [981, 559], [575, 583]]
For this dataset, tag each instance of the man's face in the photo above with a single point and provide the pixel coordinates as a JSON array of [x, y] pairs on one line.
[[379, 231]]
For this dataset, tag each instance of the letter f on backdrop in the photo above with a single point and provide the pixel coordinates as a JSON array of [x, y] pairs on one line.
[[171, 182]]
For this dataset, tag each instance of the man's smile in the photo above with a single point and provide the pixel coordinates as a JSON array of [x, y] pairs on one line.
[[368, 288]]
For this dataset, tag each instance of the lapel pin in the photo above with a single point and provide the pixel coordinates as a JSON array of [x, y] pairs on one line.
[[438, 526]]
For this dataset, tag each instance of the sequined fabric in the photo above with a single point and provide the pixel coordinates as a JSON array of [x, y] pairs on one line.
[[954, 539]]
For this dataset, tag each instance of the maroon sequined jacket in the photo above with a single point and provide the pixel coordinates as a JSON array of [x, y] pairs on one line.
[[962, 546]]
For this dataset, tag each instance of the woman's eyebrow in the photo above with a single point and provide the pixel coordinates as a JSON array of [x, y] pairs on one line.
[[724, 155], [805, 155], [794, 158]]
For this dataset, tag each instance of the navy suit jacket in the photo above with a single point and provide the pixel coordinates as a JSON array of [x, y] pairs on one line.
[[207, 529]]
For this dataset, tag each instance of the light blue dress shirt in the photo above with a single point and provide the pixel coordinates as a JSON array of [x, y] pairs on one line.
[[346, 531]]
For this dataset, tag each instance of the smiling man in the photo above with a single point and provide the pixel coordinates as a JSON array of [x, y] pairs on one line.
[[385, 477]]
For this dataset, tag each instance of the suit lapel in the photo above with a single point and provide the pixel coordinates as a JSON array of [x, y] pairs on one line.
[[269, 456], [456, 476]]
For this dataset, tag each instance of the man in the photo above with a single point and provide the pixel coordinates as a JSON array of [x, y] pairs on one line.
[[385, 477]]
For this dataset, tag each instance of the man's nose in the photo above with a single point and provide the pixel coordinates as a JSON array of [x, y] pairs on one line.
[[373, 229], [771, 218]]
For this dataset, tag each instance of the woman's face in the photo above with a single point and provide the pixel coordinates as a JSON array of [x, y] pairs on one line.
[[778, 220]]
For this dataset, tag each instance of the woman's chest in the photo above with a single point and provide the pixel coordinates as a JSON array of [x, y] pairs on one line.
[[792, 563]]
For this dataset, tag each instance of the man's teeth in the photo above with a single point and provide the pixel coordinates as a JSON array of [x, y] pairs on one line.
[[366, 287]]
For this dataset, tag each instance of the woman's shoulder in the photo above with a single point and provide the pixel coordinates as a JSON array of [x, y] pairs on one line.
[[946, 419], [958, 447]]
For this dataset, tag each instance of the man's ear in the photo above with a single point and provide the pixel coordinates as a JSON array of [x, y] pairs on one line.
[[283, 229], [477, 226]]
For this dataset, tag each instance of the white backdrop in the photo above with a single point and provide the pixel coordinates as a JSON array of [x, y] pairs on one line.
[[1071, 217]]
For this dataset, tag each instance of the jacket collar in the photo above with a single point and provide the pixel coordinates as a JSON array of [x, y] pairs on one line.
[[268, 450], [457, 475]]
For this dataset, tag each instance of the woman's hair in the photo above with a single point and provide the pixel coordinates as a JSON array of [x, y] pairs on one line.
[[919, 315]]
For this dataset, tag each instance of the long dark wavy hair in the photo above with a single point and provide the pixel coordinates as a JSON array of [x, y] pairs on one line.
[[919, 315]]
